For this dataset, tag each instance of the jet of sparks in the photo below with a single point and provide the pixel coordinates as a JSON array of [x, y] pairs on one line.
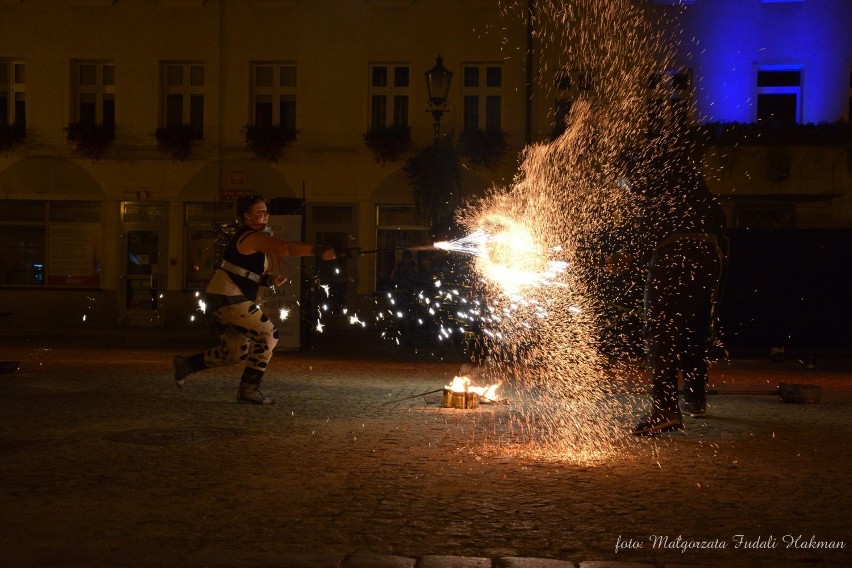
[[510, 256]]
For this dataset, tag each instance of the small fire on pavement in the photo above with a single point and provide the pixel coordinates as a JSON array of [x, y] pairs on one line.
[[463, 395]]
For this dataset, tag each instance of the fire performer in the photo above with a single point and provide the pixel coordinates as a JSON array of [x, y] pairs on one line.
[[246, 333], [681, 225]]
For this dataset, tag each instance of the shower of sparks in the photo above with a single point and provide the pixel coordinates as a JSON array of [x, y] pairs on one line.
[[283, 314], [533, 244]]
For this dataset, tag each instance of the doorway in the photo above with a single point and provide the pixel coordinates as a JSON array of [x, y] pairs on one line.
[[143, 267]]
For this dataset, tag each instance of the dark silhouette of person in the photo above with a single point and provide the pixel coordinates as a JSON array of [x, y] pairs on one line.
[[680, 228], [405, 273]]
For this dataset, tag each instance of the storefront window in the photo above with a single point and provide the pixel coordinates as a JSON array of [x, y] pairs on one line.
[[398, 228], [22, 252], [50, 243]]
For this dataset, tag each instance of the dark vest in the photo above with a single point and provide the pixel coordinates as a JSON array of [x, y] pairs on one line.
[[252, 262]]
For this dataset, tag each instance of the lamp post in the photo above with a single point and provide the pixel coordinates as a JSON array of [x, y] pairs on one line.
[[438, 80]]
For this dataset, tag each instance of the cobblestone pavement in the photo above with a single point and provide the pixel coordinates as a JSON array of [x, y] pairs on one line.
[[104, 463]]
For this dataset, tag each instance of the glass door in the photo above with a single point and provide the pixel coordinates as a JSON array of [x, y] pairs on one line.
[[144, 267]]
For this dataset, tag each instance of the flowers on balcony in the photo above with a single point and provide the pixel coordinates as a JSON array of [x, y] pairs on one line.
[[11, 136], [483, 147], [267, 142], [388, 143], [90, 140], [176, 140]]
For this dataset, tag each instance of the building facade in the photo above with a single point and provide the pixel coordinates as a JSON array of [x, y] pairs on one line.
[[128, 126]]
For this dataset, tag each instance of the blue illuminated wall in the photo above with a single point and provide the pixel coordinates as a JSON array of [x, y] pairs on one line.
[[728, 40]]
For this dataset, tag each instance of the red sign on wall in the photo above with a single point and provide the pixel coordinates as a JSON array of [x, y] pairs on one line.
[[237, 178]]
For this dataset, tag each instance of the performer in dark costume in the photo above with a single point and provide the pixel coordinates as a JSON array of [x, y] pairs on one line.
[[247, 334], [681, 226]]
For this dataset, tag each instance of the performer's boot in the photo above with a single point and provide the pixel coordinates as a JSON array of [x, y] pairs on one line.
[[249, 391], [185, 366]]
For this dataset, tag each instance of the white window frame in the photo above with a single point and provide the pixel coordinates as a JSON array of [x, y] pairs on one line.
[[785, 90], [186, 89], [667, 93], [100, 90], [482, 92], [14, 89], [569, 84], [849, 106], [276, 91], [390, 91]]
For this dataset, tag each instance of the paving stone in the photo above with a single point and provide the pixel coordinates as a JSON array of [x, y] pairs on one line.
[[614, 564], [438, 561], [231, 558], [308, 560], [363, 559], [332, 470], [516, 562]]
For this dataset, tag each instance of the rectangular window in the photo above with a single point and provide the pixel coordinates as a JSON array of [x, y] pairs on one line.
[[397, 228], [274, 95], [390, 86], [669, 101], [50, 243], [562, 81], [482, 96], [565, 84], [779, 94], [93, 88], [183, 96], [13, 95], [849, 110], [334, 225], [585, 81]]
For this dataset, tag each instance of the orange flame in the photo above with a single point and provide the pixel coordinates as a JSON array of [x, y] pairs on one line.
[[462, 384]]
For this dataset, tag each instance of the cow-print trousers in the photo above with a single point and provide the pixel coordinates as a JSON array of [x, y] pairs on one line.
[[247, 334]]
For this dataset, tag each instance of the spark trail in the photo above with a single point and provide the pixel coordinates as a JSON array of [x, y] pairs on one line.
[[534, 242]]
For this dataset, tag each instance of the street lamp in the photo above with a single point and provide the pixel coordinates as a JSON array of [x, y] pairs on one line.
[[438, 84]]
